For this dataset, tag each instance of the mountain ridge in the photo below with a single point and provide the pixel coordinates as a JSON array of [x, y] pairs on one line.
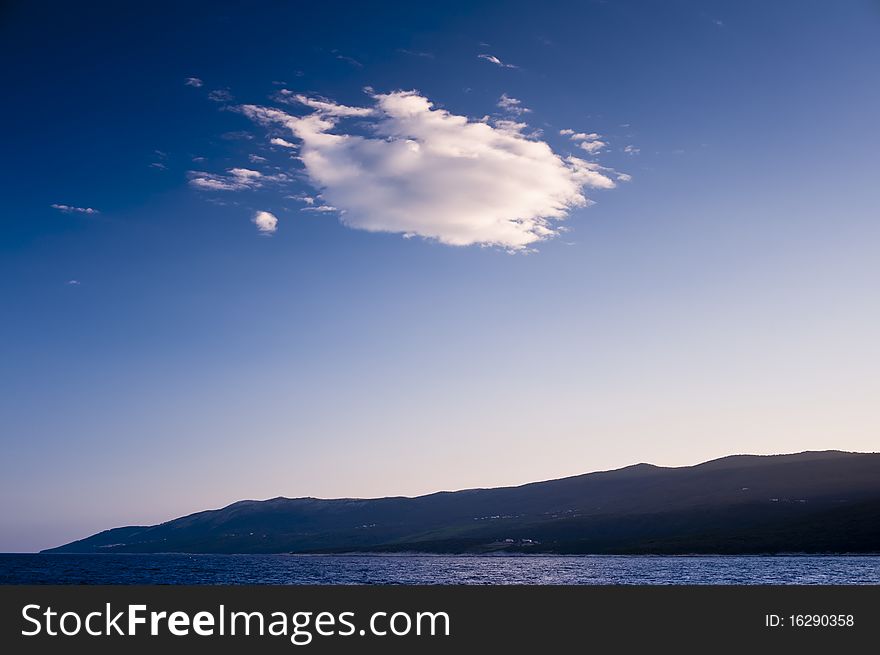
[[825, 501]]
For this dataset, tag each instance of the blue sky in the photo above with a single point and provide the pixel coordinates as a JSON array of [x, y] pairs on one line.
[[164, 353]]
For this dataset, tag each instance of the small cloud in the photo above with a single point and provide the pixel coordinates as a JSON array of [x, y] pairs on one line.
[[256, 159], [351, 61], [719, 23], [221, 95], [193, 81], [589, 141], [495, 60], [632, 150], [266, 222], [512, 105], [73, 283], [319, 208], [281, 142], [237, 179], [239, 135], [592, 147], [415, 53], [70, 209], [158, 165], [330, 108]]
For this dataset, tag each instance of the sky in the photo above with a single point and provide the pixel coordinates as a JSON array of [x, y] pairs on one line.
[[366, 249]]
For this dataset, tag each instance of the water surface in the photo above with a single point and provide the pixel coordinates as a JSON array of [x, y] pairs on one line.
[[429, 569]]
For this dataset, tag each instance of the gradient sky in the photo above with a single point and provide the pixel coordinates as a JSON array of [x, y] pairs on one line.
[[162, 354]]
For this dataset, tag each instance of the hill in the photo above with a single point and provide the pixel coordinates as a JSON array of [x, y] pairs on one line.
[[814, 502]]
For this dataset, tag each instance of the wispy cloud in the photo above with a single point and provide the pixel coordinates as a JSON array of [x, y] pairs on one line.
[[70, 209], [351, 61], [220, 95], [631, 150], [73, 283], [236, 179], [419, 170], [237, 135], [266, 222], [323, 105], [416, 53], [302, 197], [193, 81], [319, 208], [495, 60], [512, 105]]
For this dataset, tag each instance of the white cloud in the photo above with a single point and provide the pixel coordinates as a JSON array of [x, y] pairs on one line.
[[237, 135], [237, 179], [494, 60], [348, 60], [193, 81], [418, 170], [512, 105], [220, 95], [319, 208], [266, 222], [245, 174], [282, 142], [632, 150], [592, 147], [256, 159], [73, 283], [322, 104], [70, 209], [416, 53], [589, 141]]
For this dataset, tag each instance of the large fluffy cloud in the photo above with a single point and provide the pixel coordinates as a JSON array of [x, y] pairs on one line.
[[405, 166]]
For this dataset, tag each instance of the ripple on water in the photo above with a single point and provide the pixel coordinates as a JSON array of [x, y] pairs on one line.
[[429, 569]]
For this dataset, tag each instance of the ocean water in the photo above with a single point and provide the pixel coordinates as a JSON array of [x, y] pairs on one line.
[[428, 569]]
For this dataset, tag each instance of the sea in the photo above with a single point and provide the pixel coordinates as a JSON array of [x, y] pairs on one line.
[[437, 569]]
